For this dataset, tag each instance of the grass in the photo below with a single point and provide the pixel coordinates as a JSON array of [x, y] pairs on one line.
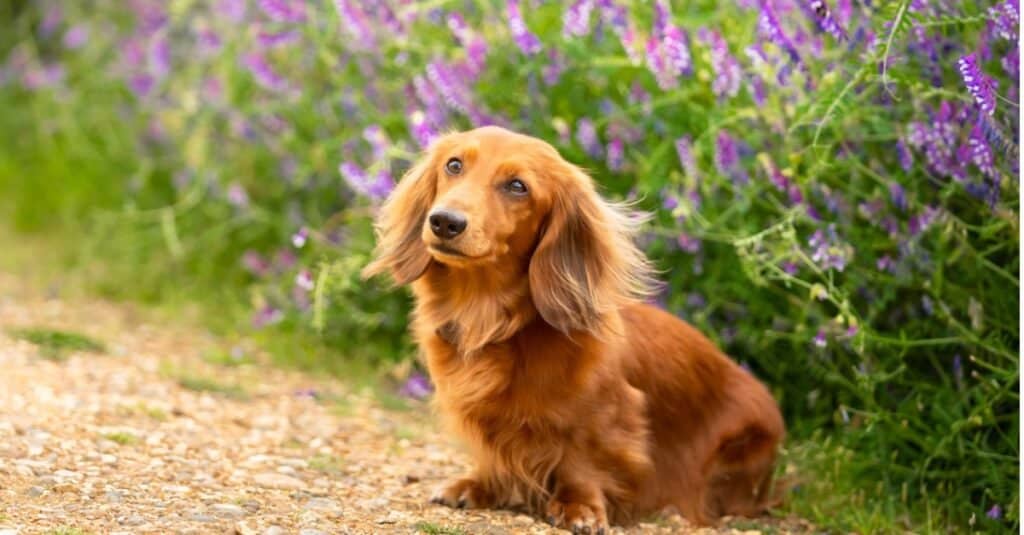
[[206, 384], [230, 358], [121, 438], [67, 530], [55, 344], [328, 464], [433, 529]]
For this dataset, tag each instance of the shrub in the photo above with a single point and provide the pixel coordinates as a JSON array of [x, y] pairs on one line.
[[835, 183]]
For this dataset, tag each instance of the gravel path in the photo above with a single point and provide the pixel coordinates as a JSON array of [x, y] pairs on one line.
[[148, 437]]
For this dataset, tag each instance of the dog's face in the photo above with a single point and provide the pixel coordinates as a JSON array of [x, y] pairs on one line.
[[492, 192], [493, 199]]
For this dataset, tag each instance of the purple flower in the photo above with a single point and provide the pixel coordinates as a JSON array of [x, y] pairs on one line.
[[526, 41], [906, 157], [208, 43], [378, 140], [677, 52], [41, 77], [768, 25], [263, 73], [727, 69], [421, 131], [267, 315], [616, 154], [284, 10], [255, 263], [447, 83], [1005, 18], [576, 20], [922, 221], [554, 69], [304, 280], [76, 36], [237, 195], [688, 243], [659, 65], [819, 339], [51, 20], [586, 136], [355, 22], [232, 10], [376, 188], [981, 87], [898, 195], [160, 57], [828, 251], [981, 153], [141, 84], [886, 263], [300, 237], [306, 393], [417, 386], [684, 149], [727, 157], [818, 11]]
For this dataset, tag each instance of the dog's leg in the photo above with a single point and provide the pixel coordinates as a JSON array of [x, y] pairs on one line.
[[465, 493], [577, 503]]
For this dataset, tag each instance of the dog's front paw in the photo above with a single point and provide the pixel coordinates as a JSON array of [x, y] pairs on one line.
[[464, 493], [577, 517]]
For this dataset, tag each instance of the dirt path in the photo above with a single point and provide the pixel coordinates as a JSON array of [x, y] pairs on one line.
[[148, 437]]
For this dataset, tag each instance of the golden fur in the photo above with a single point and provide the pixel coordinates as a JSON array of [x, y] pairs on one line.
[[577, 401]]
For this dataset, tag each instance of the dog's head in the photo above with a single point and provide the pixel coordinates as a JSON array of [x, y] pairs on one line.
[[493, 199]]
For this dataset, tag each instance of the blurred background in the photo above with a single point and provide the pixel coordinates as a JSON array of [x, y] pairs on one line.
[[835, 185]]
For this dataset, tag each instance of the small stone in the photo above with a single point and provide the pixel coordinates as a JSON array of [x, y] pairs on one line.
[[278, 481], [310, 531], [251, 505], [35, 491], [131, 520], [523, 519], [273, 530], [243, 528], [410, 478], [114, 496], [202, 517], [227, 510], [323, 504], [107, 458], [9, 531]]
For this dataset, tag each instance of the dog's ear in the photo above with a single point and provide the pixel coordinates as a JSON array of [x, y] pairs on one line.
[[400, 250], [586, 263]]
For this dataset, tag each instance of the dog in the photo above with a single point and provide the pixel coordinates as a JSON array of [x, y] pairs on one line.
[[578, 401]]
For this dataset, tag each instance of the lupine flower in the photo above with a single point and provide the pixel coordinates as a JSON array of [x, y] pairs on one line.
[[995, 513], [453, 92], [304, 280], [768, 25], [208, 43], [898, 195], [661, 18], [42, 77], [981, 87], [141, 84], [284, 10], [613, 15], [1011, 63], [381, 186], [727, 69], [377, 139], [981, 153], [1005, 18], [684, 149], [355, 23], [526, 41], [616, 154], [828, 251], [906, 157], [886, 263], [300, 237], [76, 36], [659, 65], [160, 57], [677, 52], [818, 11], [554, 69], [922, 221], [576, 20], [263, 73], [586, 136], [376, 188], [421, 131], [727, 158], [958, 369], [417, 386], [688, 243]]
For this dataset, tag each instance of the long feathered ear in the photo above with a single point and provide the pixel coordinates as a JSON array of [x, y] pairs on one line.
[[400, 250], [586, 263]]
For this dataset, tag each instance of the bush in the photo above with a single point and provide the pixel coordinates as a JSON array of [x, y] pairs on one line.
[[835, 183]]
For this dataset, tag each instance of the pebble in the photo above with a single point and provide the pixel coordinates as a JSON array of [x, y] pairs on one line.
[[9, 531], [114, 496], [311, 531], [273, 530], [131, 520], [35, 491], [227, 510], [107, 458], [278, 481], [323, 504]]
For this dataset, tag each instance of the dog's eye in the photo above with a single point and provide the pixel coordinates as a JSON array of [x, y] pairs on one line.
[[516, 187], [453, 167]]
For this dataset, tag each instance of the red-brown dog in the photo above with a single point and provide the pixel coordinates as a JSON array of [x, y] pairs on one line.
[[578, 401]]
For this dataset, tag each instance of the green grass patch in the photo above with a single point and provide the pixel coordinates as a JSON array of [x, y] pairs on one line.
[[55, 344], [329, 464], [230, 358], [121, 438], [67, 530], [206, 384], [431, 528]]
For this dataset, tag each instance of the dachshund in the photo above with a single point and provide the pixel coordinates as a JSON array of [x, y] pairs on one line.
[[578, 401]]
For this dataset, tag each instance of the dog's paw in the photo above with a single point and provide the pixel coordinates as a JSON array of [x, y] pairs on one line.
[[463, 494], [578, 518]]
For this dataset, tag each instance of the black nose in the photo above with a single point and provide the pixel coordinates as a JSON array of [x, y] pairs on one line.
[[447, 225]]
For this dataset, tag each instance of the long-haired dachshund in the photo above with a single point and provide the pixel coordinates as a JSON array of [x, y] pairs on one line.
[[578, 401]]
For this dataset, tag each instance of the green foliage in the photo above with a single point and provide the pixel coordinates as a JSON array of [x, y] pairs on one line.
[[877, 296], [56, 344]]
